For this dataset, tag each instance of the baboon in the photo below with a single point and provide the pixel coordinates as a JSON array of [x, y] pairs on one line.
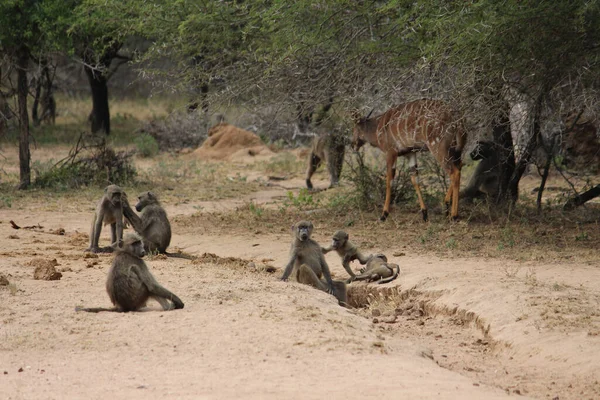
[[109, 211], [486, 179], [130, 283], [331, 148], [309, 265], [378, 269], [152, 224], [347, 251]]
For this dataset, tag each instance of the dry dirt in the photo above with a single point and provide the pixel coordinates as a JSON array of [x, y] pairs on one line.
[[449, 327]]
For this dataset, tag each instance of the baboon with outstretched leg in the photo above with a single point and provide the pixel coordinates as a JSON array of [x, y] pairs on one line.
[[108, 211], [347, 251], [378, 270], [309, 265], [152, 224], [130, 283], [331, 148]]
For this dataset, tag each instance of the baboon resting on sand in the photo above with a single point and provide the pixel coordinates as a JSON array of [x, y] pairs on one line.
[[108, 211], [378, 270], [347, 251], [130, 283], [331, 148], [309, 265], [152, 224]]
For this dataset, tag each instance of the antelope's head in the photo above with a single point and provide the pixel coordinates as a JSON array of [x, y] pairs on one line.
[[360, 125]]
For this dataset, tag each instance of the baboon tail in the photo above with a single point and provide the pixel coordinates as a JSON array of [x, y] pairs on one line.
[[180, 255], [396, 269], [95, 309]]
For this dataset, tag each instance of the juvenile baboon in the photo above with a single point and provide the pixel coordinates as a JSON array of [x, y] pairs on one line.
[[152, 224], [486, 179], [109, 211], [378, 269], [309, 265], [331, 148], [347, 251], [130, 283]]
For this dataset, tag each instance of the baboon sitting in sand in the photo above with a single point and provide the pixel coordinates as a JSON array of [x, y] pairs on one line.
[[108, 211], [347, 251], [130, 284], [152, 224], [378, 270], [331, 148], [309, 265]]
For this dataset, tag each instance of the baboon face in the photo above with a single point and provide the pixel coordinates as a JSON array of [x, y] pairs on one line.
[[133, 244], [339, 240], [303, 230], [144, 199], [114, 193]]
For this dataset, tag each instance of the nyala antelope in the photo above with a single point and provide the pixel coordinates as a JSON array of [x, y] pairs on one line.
[[421, 125]]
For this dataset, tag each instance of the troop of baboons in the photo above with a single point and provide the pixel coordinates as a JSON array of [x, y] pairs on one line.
[[401, 131]]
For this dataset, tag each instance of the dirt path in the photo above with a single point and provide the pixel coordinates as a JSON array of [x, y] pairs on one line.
[[446, 329]]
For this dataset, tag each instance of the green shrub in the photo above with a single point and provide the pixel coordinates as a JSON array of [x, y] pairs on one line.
[[146, 145]]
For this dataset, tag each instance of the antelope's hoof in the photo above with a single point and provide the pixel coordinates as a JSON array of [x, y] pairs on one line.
[[384, 216], [425, 217], [455, 218]]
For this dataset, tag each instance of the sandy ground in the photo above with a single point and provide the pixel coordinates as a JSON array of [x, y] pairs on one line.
[[450, 328]]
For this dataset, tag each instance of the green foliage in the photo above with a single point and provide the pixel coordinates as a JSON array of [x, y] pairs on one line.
[[146, 145], [102, 168], [304, 200]]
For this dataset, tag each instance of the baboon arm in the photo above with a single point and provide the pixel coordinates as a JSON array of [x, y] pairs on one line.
[[326, 250], [133, 218], [326, 273], [346, 265], [288, 268]]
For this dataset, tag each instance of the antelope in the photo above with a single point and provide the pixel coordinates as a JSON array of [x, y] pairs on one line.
[[404, 130]]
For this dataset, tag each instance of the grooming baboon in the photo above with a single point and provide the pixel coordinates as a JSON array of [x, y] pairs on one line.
[[152, 224], [109, 211], [331, 148], [309, 265], [485, 182], [347, 251], [378, 269], [130, 283]]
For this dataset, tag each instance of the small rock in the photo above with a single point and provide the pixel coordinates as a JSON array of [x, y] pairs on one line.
[[3, 280], [21, 369], [13, 237], [375, 320], [375, 312], [399, 254], [87, 255], [251, 265], [46, 273], [420, 322], [378, 344]]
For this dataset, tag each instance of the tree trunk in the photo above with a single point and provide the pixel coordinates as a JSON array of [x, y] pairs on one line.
[[513, 185], [503, 138], [22, 92], [100, 116]]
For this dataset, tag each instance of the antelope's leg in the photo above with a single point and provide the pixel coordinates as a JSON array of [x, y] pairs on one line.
[[389, 176], [450, 191], [414, 178]]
